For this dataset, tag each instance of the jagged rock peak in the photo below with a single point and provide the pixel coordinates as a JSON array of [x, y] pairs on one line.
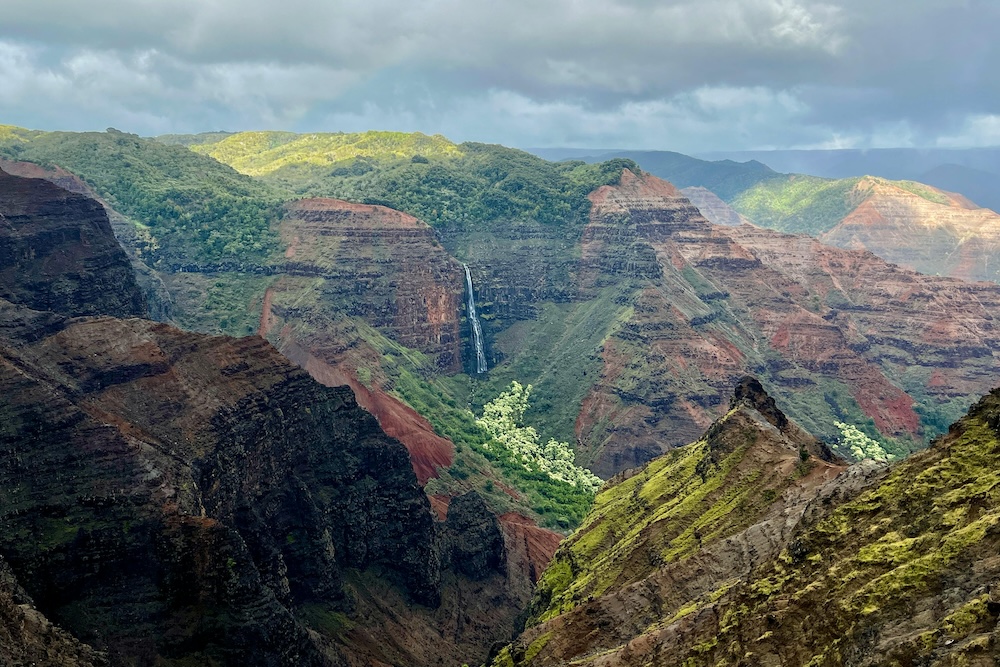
[[750, 392]]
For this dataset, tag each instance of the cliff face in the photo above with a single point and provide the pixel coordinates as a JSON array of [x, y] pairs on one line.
[[871, 567], [57, 252], [709, 303], [150, 473], [158, 301], [170, 497], [949, 236], [380, 265]]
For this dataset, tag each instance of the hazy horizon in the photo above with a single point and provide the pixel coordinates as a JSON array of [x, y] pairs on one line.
[[682, 75]]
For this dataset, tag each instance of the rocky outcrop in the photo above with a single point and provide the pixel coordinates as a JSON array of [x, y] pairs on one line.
[[213, 473], [58, 253], [474, 541], [380, 265], [939, 233], [172, 498], [158, 299], [661, 538], [873, 567], [28, 638]]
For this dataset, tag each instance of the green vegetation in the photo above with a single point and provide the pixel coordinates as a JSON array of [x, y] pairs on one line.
[[189, 209], [871, 559], [663, 514], [860, 445], [479, 459], [263, 153], [798, 204], [558, 352], [812, 205], [428, 177], [503, 419]]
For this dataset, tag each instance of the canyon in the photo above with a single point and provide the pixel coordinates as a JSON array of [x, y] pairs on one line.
[[172, 496]]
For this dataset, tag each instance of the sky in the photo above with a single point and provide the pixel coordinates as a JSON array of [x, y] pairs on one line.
[[685, 75]]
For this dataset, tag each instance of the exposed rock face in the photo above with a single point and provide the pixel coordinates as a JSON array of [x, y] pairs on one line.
[[175, 498], [381, 265], [474, 541], [874, 567], [715, 210], [951, 237], [151, 473], [57, 252], [348, 264], [28, 638], [711, 303], [664, 536], [157, 297]]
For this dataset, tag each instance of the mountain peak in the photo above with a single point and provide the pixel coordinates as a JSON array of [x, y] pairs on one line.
[[750, 392]]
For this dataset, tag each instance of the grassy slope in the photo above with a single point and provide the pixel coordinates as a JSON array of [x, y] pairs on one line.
[[811, 205], [871, 560], [857, 570]]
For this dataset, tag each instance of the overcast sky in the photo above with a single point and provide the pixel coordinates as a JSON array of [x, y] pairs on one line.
[[686, 75]]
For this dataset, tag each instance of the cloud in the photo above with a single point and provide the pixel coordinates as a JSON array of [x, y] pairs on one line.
[[705, 72]]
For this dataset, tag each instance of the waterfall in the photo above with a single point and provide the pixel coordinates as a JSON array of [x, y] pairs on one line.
[[477, 330]]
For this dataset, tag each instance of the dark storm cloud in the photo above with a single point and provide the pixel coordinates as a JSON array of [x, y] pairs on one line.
[[682, 74]]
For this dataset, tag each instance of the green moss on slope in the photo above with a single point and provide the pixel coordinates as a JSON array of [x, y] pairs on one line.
[[875, 559]]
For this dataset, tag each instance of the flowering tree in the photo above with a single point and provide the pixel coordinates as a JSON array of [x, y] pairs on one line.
[[502, 419]]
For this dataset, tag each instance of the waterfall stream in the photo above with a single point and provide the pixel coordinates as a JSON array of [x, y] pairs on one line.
[[477, 330]]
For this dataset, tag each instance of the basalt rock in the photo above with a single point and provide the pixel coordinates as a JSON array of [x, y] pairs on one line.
[[379, 265], [474, 541], [158, 299], [172, 494], [58, 253]]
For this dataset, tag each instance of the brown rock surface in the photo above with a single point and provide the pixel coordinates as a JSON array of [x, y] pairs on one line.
[[710, 303], [380, 265], [58, 253], [951, 237]]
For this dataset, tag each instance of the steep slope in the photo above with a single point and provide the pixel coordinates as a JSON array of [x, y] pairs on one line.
[[908, 223], [949, 236], [835, 335], [28, 638], [188, 211], [57, 252], [158, 299], [677, 532], [174, 498], [901, 571]]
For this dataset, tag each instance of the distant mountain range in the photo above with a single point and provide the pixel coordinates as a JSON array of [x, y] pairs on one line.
[[933, 224]]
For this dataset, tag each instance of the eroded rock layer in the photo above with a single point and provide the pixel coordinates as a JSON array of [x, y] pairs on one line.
[[939, 233], [380, 265], [831, 332], [57, 252]]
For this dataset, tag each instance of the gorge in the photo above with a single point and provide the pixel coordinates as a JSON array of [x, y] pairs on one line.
[[317, 488]]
